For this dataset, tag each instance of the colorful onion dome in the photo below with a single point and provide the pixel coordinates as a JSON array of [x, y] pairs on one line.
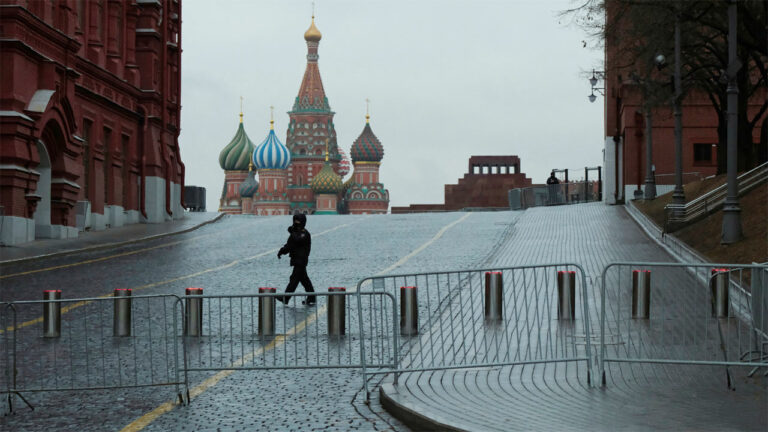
[[271, 153], [237, 154], [326, 181], [249, 186], [367, 148], [344, 164], [312, 34]]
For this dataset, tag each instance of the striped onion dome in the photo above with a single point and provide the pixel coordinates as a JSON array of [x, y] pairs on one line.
[[344, 164], [249, 186], [367, 148], [237, 154], [271, 153], [326, 181]]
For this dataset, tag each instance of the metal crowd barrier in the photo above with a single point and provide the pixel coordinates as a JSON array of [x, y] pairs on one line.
[[86, 353], [454, 331], [697, 314], [233, 338]]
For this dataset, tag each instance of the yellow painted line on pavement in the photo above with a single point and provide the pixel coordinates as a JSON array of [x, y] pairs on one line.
[[151, 416], [154, 284], [105, 258]]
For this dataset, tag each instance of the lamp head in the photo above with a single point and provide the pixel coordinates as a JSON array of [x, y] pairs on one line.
[[592, 97]]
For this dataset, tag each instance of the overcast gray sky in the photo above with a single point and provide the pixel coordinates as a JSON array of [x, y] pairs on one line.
[[446, 80]]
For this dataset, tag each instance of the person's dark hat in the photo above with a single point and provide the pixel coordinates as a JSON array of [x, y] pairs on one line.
[[301, 219]]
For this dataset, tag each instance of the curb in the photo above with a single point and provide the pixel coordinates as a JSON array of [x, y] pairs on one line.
[[411, 418], [110, 245]]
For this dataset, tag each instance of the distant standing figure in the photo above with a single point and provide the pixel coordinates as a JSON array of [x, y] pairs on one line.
[[552, 185], [298, 246]]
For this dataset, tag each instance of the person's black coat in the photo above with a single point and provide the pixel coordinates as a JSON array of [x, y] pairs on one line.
[[298, 245]]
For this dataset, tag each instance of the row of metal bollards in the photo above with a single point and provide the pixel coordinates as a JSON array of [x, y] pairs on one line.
[[409, 310], [121, 325]]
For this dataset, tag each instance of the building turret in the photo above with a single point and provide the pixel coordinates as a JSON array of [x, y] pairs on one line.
[[364, 193], [271, 158], [326, 187], [234, 160]]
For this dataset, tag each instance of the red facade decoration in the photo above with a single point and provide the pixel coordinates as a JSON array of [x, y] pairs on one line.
[[89, 116]]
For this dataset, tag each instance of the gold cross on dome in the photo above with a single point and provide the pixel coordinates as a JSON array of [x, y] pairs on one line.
[[271, 117], [367, 109]]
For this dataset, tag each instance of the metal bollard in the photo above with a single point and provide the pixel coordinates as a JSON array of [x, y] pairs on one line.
[[494, 296], [409, 311], [52, 314], [336, 312], [641, 294], [267, 312], [566, 295], [718, 284], [121, 325], [193, 313]]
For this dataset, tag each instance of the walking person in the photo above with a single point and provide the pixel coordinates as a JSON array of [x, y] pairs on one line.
[[554, 189], [298, 246]]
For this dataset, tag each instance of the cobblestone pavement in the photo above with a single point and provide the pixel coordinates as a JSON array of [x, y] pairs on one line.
[[556, 396], [230, 257]]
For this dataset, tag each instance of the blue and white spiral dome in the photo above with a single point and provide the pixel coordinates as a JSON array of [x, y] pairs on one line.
[[271, 153]]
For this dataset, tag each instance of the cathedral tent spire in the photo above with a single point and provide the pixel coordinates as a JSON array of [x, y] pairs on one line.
[[311, 97]]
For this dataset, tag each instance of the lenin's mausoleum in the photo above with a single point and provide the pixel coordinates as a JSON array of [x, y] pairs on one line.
[[305, 174]]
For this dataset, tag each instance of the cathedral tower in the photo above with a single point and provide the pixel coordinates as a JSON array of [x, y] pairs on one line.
[[311, 123], [363, 192], [234, 160]]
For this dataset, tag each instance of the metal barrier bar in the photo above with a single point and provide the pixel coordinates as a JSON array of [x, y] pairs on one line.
[[84, 355], [454, 334], [704, 314]]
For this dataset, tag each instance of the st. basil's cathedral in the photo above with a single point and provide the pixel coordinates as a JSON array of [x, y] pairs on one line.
[[305, 175]]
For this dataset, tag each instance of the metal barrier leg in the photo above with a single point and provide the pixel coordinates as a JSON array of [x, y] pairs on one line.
[[409, 311], [122, 312], [52, 314], [267, 312], [494, 296], [641, 294], [193, 313], [336, 312], [566, 295]]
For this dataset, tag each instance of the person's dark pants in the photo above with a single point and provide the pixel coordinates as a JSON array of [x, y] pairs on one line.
[[299, 275]]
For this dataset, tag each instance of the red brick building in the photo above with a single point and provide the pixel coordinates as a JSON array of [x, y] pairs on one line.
[[89, 115], [625, 140], [486, 185]]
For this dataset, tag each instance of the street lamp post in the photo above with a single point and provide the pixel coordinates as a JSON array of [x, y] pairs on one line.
[[678, 195], [731, 232], [650, 182]]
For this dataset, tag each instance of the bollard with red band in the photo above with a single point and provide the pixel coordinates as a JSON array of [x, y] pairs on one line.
[[641, 294], [337, 305], [121, 325], [718, 286], [494, 296], [566, 295], [409, 311], [193, 312], [267, 312], [52, 314]]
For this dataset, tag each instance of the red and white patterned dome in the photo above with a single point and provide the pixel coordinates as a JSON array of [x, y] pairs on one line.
[[344, 164]]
